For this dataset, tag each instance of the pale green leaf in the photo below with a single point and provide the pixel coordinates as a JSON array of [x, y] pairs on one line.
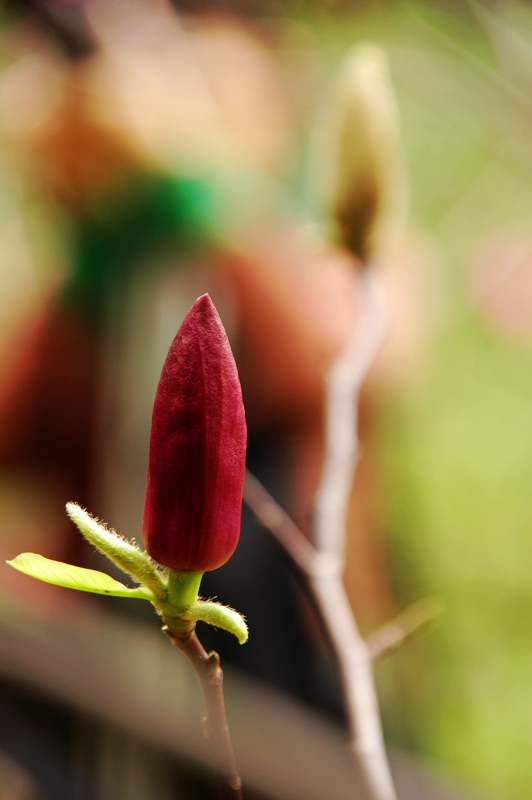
[[85, 580]]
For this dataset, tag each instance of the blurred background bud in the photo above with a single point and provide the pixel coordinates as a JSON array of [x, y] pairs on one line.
[[362, 177]]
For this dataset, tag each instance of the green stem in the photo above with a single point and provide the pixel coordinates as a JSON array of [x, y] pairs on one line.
[[183, 588]]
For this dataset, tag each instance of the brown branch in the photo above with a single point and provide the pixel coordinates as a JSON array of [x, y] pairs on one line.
[[215, 728], [390, 636]]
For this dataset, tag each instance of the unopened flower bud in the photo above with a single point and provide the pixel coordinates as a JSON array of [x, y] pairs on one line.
[[197, 449], [362, 175]]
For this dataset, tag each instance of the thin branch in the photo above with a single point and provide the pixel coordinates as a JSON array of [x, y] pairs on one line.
[[275, 519], [311, 563], [491, 76], [355, 666], [215, 728], [407, 624]]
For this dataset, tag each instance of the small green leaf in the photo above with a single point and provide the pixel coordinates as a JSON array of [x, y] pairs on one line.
[[85, 580]]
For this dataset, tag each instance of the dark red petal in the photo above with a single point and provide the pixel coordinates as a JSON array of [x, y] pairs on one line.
[[197, 449]]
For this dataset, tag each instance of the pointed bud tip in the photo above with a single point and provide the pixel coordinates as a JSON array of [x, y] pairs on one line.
[[204, 309], [204, 300], [203, 304]]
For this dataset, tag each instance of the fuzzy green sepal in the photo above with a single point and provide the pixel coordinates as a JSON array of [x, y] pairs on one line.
[[127, 556], [218, 615]]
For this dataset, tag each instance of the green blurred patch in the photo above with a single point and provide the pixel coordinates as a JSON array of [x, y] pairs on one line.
[[457, 471]]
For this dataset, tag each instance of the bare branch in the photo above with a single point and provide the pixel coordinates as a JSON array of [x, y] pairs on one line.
[[215, 728], [407, 624], [355, 666]]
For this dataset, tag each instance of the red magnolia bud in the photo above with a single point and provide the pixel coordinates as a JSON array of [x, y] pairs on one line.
[[197, 449]]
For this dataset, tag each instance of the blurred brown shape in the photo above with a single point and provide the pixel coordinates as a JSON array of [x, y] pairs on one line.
[[74, 154], [47, 400], [15, 782], [111, 669]]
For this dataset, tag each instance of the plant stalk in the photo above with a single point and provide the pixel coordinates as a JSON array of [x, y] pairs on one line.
[[215, 727]]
